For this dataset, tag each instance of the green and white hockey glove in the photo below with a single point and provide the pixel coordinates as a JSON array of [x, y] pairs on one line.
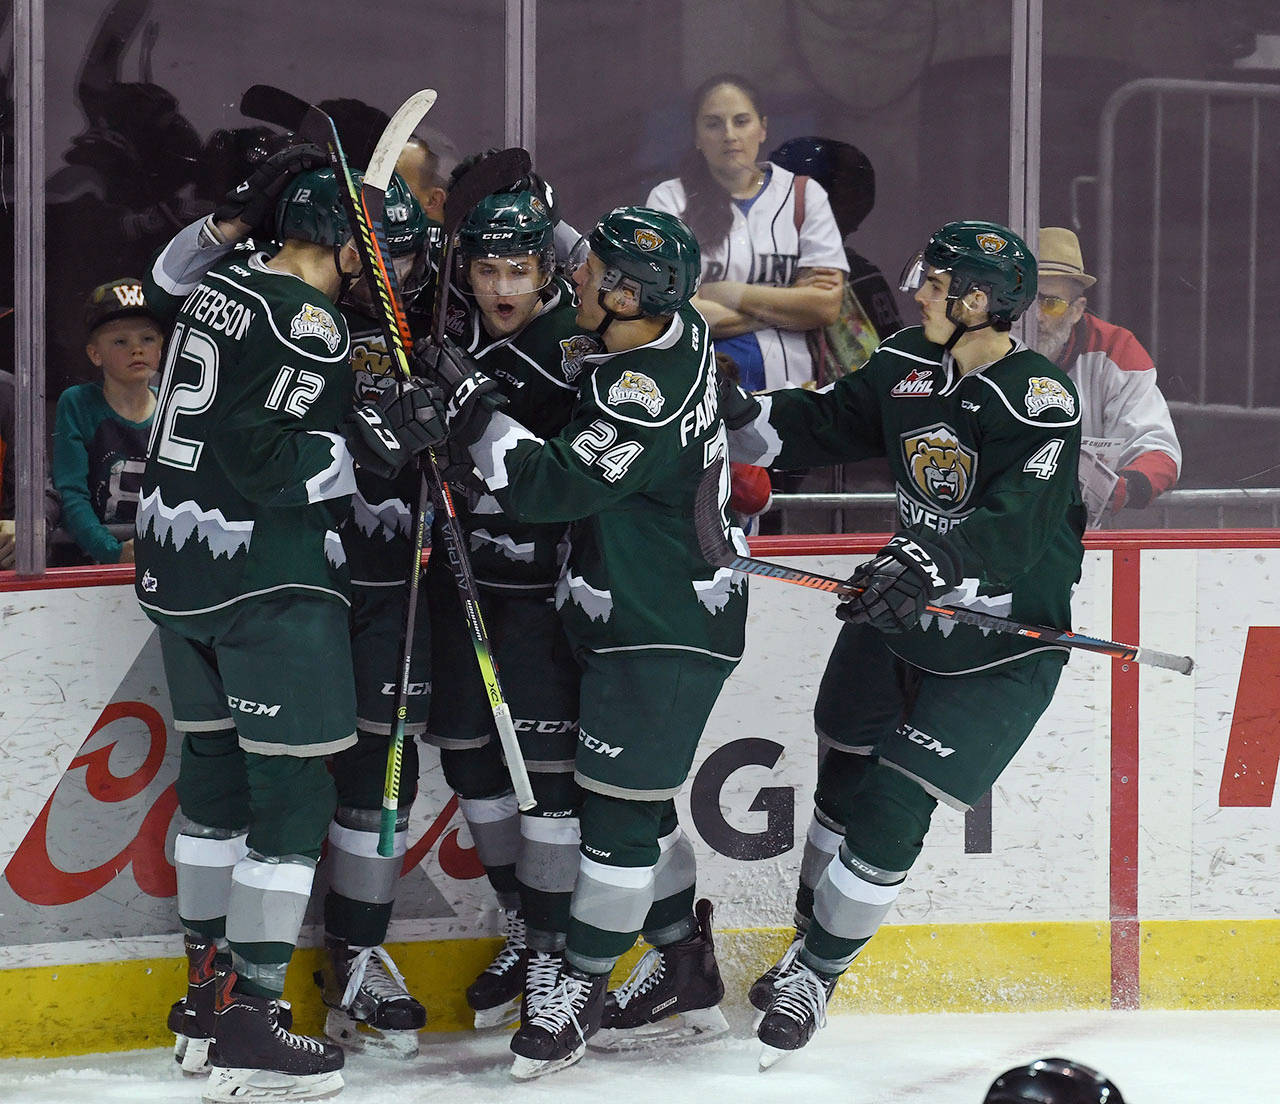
[[384, 436], [897, 583], [471, 394], [253, 201]]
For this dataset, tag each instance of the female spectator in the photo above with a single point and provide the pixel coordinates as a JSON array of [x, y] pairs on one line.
[[101, 429], [773, 265]]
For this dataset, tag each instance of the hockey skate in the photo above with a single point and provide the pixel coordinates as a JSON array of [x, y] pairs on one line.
[[191, 1017], [254, 1057], [761, 991], [541, 973], [672, 996], [556, 1035], [494, 996], [797, 1009], [369, 1007]]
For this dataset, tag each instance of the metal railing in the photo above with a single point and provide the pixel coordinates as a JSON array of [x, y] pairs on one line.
[[1216, 183], [1207, 507]]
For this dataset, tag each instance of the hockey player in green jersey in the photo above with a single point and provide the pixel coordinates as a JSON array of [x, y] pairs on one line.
[[655, 629], [982, 436], [523, 334], [249, 471]]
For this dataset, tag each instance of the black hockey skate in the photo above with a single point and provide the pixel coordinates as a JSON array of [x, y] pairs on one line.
[[191, 1017], [798, 1008], [556, 1035], [761, 991], [254, 1057], [369, 1007], [494, 996], [672, 996]]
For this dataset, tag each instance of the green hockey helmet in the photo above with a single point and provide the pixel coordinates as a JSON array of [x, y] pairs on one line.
[[501, 227], [310, 209], [403, 219], [653, 250], [981, 256]]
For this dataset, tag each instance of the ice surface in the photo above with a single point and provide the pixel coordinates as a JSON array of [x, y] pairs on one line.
[[1154, 1058]]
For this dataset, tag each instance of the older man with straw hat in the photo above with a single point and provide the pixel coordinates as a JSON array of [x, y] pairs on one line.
[[1130, 452]]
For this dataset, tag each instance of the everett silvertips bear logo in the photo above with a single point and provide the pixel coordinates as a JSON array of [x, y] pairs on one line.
[[573, 351], [636, 387], [992, 243], [939, 465], [1043, 393], [648, 240], [313, 321]]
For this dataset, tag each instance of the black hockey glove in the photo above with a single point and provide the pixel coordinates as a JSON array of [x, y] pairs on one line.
[[385, 435], [472, 395], [897, 583], [254, 200]]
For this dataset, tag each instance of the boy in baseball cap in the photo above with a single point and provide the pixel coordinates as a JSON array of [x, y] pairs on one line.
[[101, 428]]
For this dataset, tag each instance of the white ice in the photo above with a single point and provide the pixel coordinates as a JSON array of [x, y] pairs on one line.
[[1153, 1057]]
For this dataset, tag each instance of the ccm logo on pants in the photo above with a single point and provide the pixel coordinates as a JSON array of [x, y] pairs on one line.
[[926, 741], [598, 746], [257, 709]]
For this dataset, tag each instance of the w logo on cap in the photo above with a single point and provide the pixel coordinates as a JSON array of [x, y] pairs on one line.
[[129, 295]]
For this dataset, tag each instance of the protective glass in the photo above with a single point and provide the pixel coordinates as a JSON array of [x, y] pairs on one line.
[[578, 255]]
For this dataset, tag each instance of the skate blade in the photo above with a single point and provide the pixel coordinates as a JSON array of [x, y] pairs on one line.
[[354, 1036], [192, 1055], [502, 1015], [230, 1085], [526, 1069], [771, 1056], [694, 1026]]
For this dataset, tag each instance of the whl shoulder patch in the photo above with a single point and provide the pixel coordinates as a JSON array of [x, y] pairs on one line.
[[313, 321], [1043, 393], [636, 387]]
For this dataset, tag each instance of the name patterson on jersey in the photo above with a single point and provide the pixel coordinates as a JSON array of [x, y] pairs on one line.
[[219, 312], [913, 515]]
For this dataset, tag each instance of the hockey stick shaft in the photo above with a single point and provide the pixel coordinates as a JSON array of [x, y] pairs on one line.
[[717, 550]]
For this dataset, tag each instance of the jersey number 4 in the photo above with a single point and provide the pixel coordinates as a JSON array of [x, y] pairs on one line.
[[1044, 462], [598, 444]]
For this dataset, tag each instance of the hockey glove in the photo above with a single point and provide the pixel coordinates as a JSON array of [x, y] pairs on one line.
[[253, 201], [473, 395], [897, 583], [385, 435]]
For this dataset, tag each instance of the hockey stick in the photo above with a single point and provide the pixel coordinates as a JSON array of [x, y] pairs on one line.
[[364, 209], [717, 551]]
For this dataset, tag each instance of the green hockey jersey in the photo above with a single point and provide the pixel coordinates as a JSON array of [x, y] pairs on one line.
[[246, 476], [624, 471], [983, 463], [537, 369]]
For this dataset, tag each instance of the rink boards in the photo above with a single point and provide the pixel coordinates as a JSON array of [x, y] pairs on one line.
[[1126, 858]]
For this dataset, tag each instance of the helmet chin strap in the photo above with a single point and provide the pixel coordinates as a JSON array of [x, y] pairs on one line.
[[345, 279], [610, 317], [960, 327]]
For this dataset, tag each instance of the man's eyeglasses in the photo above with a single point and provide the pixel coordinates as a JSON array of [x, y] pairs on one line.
[[1053, 306]]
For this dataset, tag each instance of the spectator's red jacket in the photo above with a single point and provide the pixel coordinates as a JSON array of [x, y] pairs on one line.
[[1120, 400]]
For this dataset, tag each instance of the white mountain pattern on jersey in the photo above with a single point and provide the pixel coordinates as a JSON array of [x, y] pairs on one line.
[[714, 593], [596, 604], [177, 524], [521, 552], [388, 519], [966, 595]]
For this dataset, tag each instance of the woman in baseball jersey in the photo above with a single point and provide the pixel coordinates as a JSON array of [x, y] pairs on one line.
[[773, 264]]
